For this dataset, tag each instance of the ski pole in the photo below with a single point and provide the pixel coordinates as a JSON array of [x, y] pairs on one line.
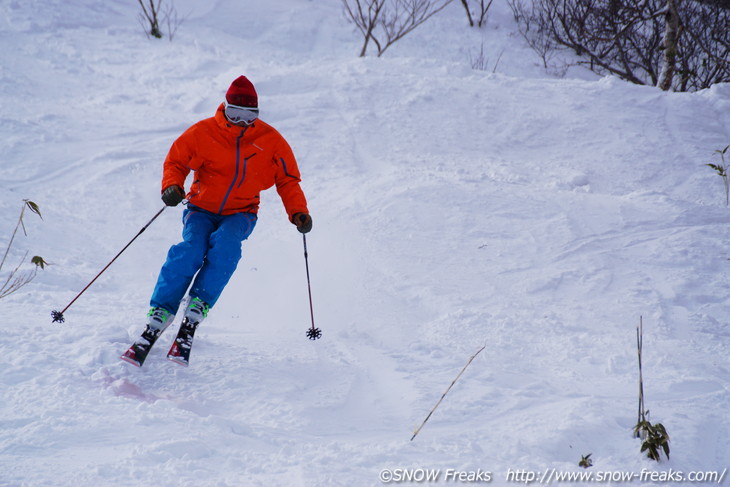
[[312, 333], [58, 315]]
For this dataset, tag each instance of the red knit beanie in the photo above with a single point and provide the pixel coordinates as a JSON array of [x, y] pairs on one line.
[[242, 93]]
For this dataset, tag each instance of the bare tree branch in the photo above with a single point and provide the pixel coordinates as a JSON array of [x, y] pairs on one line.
[[385, 22], [673, 44]]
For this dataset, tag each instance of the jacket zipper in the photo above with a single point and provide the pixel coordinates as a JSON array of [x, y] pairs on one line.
[[235, 175], [243, 173]]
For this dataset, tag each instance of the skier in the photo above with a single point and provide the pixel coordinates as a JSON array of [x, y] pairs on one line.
[[234, 156]]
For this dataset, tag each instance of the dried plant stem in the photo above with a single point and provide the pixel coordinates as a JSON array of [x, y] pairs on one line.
[[640, 343], [447, 391]]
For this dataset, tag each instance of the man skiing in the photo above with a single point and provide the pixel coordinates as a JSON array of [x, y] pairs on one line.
[[234, 156]]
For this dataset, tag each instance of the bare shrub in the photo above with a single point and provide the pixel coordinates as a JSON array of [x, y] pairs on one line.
[[385, 22], [18, 278], [481, 7], [481, 62], [156, 12], [682, 45]]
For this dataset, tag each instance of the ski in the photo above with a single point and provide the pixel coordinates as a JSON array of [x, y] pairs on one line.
[[137, 353], [180, 349]]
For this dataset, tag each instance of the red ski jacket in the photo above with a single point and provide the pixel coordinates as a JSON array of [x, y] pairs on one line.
[[232, 165]]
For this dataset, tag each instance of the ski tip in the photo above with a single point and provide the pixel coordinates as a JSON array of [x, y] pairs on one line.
[[175, 355], [130, 360], [177, 360]]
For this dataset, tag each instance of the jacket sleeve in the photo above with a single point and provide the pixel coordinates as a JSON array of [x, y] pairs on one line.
[[179, 160], [287, 180]]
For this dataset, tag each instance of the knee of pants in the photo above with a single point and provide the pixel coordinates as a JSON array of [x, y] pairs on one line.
[[225, 242], [226, 251], [186, 257]]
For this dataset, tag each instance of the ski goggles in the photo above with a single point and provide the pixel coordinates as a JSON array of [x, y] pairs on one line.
[[240, 115]]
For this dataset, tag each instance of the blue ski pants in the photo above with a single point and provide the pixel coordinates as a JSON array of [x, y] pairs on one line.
[[211, 248]]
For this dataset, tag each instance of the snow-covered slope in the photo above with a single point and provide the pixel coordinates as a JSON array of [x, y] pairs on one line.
[[452, 208]]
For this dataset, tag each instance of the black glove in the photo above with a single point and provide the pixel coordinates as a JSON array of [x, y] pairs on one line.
[[173, 195], [303, 222]]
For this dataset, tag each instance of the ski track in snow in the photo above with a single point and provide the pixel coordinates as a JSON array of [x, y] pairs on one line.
[[452, 208]]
